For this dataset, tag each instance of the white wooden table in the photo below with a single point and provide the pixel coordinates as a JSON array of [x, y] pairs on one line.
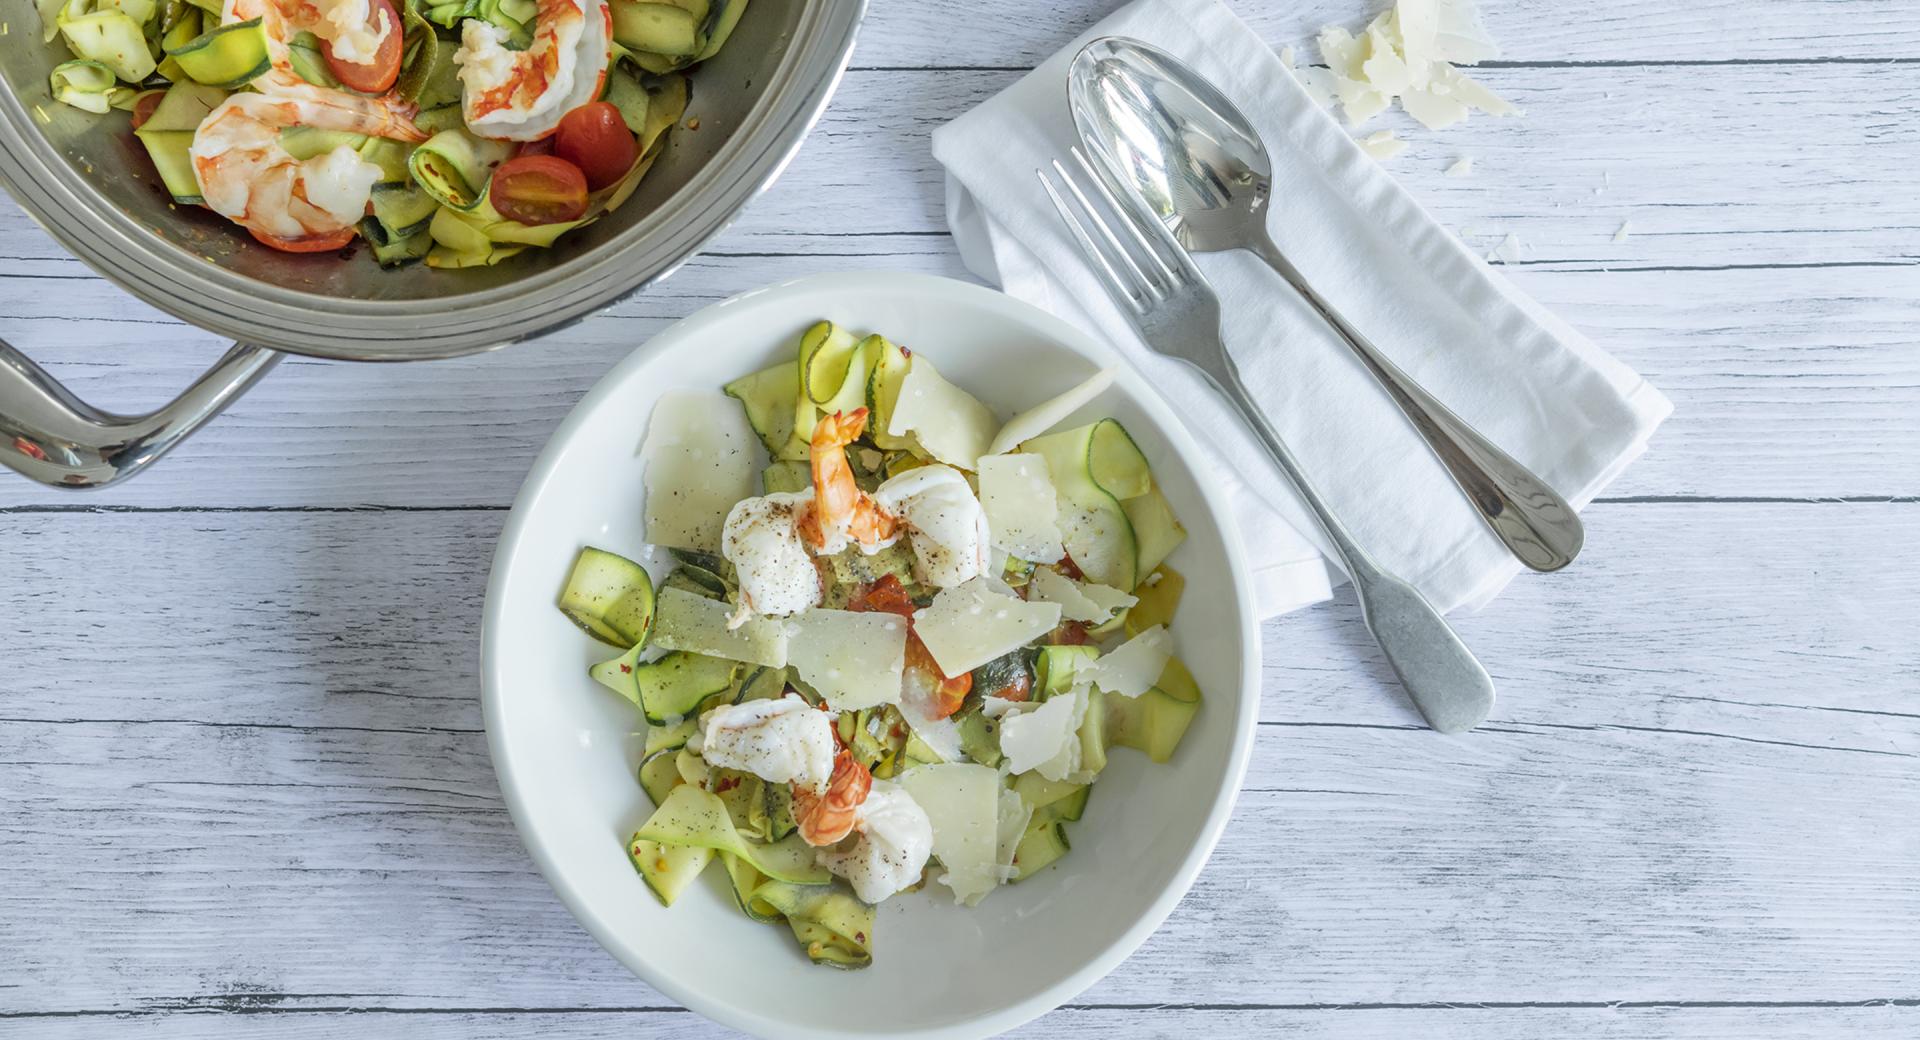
[[244, 789]]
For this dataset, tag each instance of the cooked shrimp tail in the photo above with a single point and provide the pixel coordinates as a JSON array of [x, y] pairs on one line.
[[840, 509], [824, 819]]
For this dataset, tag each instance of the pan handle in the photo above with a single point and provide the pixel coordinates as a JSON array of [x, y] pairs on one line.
[[49, 435]]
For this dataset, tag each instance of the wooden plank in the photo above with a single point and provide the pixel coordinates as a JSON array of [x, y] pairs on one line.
[[1748, 165], [1011, 32], [252, 1020], [255, 768], [1763, 622], [1787, 383], [160, 864]]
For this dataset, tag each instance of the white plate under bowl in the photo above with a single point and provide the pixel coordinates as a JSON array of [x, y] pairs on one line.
[[567, 751]]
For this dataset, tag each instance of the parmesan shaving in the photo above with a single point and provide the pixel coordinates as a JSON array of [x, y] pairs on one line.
[[853, 659], [1462, 167], [1133, 667], [1621, 234], [968, 625], [1408, 53], [1090, 602]]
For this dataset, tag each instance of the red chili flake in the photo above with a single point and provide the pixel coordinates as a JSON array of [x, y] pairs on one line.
[[727, 784], [627, 668], [859, 937], [1071, 569]]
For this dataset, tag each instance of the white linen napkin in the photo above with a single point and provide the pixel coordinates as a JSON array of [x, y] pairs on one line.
[[1546, 394]]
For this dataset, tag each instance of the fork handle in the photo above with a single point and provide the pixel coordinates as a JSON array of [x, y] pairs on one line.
[[1530, 518], [1445, 681]]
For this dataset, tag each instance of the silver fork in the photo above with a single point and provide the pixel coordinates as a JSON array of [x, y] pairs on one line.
[[1155, 283]]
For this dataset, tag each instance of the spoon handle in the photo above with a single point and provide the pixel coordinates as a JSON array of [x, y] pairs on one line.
[[1529, 517]]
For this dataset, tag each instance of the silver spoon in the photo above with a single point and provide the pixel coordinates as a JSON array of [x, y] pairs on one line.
[[1150, 121]]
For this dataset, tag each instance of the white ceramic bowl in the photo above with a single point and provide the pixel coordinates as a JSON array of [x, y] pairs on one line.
[[567, 752]]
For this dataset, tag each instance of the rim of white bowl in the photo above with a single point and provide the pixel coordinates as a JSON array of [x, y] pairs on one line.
[[1055, 330]]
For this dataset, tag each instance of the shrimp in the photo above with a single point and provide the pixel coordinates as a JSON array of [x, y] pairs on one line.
[[521, 95], [762, 540], [840, 509], [298, 205], [347, 26], [945, 522], [824, 819]]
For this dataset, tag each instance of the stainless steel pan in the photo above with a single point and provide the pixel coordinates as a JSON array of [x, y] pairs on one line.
[[86, 180]]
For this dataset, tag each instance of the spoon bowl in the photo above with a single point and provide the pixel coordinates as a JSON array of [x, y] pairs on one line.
[[1184, 147]]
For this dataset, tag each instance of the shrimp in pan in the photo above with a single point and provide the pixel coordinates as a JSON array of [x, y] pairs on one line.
[[521, 95], [354, 30], [297, 205]]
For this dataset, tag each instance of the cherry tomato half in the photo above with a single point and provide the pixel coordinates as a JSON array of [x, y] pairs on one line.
[[143, 107], [379, 76], [310, 244], [539, 189], [595, 138]]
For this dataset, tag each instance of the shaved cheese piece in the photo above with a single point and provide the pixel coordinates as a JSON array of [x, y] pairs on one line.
[[1406, 53], [1341, 53], [1023, 510], [1047, 414], [1133, 667], [940, 735], [951, 424], [1460, 37], [1509, 249], [1319, 85], [1475, 94], [1435, 111], [852, 659], [1462, 167], [1046, 739], [684, 621], [1416, 26], [1383, 68], [1091, 602], [962, 801], [701, 458], [994, 707], [1015, 814], [1383, 145], [1621, 234], [971, 624]]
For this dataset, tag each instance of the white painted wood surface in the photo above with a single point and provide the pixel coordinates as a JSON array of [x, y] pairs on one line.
[[244, 792]]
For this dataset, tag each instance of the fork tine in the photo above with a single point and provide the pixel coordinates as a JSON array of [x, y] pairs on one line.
[[1128, 292], [1152, 287], [1147, 232]]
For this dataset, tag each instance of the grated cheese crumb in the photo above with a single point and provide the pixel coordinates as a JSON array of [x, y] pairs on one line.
[[1621, 234], [1462, 167]]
